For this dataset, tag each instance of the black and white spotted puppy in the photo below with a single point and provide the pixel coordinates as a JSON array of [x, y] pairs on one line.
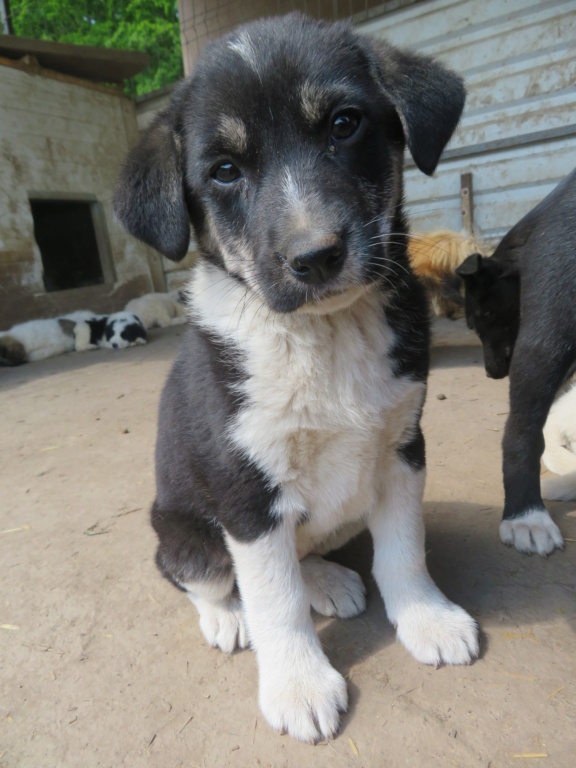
[[116, 331], [291, 418], [123, 329]]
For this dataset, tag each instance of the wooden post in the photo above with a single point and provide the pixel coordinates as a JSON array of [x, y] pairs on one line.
[[467, 202]]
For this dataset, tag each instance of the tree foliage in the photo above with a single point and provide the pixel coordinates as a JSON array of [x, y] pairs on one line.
[[139, 25]]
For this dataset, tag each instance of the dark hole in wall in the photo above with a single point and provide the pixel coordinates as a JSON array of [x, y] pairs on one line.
[[66, 237]]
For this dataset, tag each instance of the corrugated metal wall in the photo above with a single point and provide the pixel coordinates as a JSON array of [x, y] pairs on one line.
[[518, 133]]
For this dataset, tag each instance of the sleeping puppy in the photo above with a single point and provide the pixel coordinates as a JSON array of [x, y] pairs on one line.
[[291, 418], [158, 310], [116, 331], [123, 329], [36, 340]]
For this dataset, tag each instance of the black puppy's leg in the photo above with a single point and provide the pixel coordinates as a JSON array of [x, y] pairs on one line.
[[192, 554], [534, 380]]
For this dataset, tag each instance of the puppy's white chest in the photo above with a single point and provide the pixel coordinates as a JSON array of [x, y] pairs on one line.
[[309, 391], [321, 405]]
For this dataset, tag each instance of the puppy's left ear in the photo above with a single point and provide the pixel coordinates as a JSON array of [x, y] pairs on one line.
[[428, 98]]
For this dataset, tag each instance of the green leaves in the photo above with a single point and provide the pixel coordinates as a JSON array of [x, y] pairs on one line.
[[139, 25]]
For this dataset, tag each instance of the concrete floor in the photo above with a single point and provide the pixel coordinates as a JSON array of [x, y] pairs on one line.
[[103, 663]]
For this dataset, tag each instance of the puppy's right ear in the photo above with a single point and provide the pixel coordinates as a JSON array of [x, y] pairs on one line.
[[483, 270], [471, 266], [428, 98], [149, 199]]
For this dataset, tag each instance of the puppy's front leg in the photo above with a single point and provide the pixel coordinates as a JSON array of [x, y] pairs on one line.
[[431, 627], [300, 692], [526, 523]]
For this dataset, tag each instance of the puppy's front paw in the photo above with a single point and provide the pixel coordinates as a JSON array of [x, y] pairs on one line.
[[222, 623], [304, 700], [332, 589], [533, 532], [438, 631]]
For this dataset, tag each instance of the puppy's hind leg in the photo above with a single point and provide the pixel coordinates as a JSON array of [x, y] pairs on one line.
[[192, 554], [221, 616], [332, 589]]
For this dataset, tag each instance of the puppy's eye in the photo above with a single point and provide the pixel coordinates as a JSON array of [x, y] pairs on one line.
[[345, 125], [226, 173]]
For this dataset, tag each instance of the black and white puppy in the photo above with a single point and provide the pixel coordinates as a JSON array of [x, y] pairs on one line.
[[123, 329], [291, 418], [521, 304], [116, 331]]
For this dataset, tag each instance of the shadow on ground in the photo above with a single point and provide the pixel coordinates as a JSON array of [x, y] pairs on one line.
[[498, 586]]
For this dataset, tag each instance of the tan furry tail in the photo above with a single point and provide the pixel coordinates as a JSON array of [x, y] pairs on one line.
[[440, 252], [435, 257]]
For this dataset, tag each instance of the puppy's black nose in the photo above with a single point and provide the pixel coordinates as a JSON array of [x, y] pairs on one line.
[[315, 259]]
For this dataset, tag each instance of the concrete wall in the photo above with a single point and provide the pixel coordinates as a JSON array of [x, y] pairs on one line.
[[150, 104], [62, 138]]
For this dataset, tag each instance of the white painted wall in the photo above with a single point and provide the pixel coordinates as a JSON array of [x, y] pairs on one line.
[[61, 138], [148, 106], [518, 133]]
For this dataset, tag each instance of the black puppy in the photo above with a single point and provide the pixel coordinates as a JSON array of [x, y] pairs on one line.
[[522, 304], [492, 304], [291, 419]]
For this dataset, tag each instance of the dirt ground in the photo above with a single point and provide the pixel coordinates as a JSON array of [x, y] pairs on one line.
[[103, 663]]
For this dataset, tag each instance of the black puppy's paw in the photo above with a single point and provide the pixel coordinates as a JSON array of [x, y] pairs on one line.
[[535, 531]]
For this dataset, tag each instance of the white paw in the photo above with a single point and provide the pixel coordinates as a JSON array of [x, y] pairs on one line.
[[533, 532], [332, 589], [303, 697], [222, 623], [438, 631]]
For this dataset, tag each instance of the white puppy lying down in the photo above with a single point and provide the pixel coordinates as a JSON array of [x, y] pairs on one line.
[[158, 310], [42, 338], [560, 452]]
